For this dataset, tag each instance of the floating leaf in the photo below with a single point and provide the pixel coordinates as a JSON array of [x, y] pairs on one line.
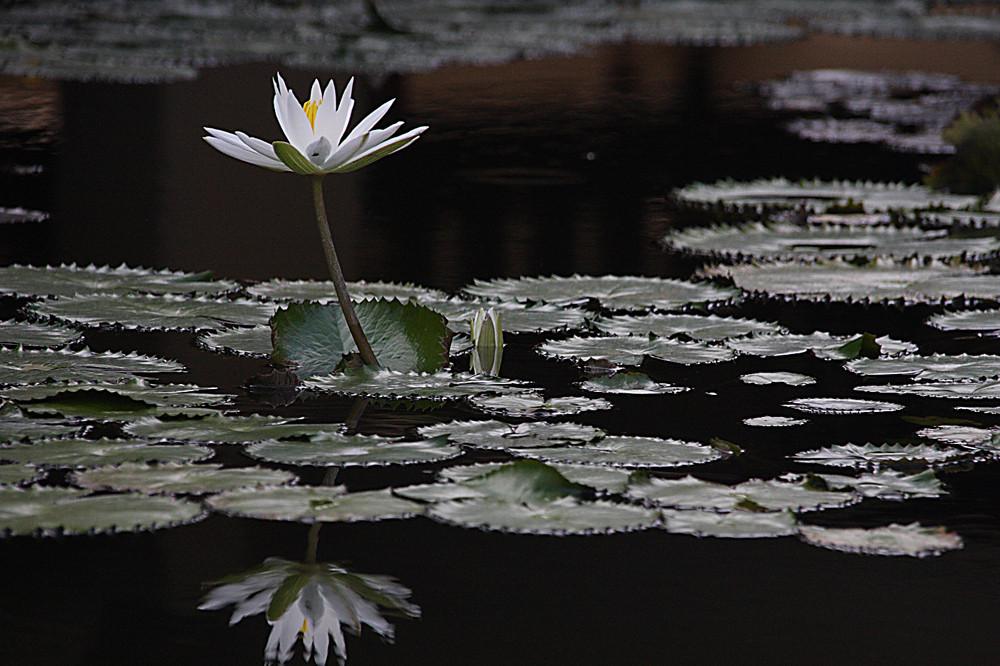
[[958, 435], [218, 428], [608, 479], [165, 312], [78, 452], [710, 328], [765, 378], [620, 451], [301, 291], [613, 292], [173, 478], [405, 337], [752, 495], [531, 404], [774, 421], [34, 366], [499, 435], [634, 383], [15, 426], [66, 511], [937, 367], [516, 317], [337, 449], [630, 350], [254, 341], [823, 345], [75, 280], [436, 386], [987, 321], [27, 334], [519, 482], [954, 389], [841, 406], [313, 504], [19, 475], [914, 539], [732, 525], [868, 455], [887, 484]]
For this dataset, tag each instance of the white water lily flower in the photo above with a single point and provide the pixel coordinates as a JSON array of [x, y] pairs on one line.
[[318, 141]]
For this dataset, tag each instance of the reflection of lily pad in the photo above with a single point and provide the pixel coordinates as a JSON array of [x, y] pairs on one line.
[[218, 428], [708, 328], [634, 383], [33, 366], [254, 341], [614, 292], [620, 451], [172, 478], [331, 448], [73, 280], [913, 539], [66, 511], [436, 386], [765, 378], [165, 312], [753, 495], [731, 525], [841, 406], [532, 404], [28, 334], [499, 435], [631, 349], [97, 452], [855, 455], [313, 504]]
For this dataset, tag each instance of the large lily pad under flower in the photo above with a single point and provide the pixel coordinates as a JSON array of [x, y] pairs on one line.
[[613, 292], [515, 316], [337, 449], [174, 478], [76, 280], [914, 539], [34, 366], [312, 504]]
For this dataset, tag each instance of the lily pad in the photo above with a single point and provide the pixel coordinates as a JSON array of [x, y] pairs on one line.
[[731, 525], [842, 406], [405, 337], [914, 539], [773, 421], [323, 291], [707, 328], [67, 511], [937, 367], [872, 455], [77, 452], [518, 482], [77, 280], [765, 378], [167, 312], [822, 345], [175, 478], [515, 317], [313, 504], [954, 389], [434, 386], [612, 292], [887, 484], [635, 383], [622, 451], [631, 349], [16, 426], [957, 435], [336, 449], [34, 366], [19, 475], [31, 335], [531, 404], [752, 495], [254, 341], [218, 428], [986, 321], [608, 479], [499, 435], [562, 516]]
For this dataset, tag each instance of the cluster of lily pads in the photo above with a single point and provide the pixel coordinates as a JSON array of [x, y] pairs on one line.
[[138, 446]]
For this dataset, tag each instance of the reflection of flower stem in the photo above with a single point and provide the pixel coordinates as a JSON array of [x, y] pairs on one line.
[[313, 543], [357, 411], [367, 355]]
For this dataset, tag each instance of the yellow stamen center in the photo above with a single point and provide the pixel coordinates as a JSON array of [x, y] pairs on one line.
[[311, 107], [305, 621]]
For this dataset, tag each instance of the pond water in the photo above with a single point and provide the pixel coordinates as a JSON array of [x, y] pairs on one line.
[[535, 168]]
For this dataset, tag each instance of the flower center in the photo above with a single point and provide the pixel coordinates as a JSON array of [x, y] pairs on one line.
[[311, 107]]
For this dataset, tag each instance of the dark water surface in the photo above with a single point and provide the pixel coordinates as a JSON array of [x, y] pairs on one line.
[[548, 167]]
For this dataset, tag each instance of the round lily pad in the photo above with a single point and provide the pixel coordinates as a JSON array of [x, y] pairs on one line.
[[954, 389], [313, 504], [914, 539], [842, 406], [254, 341], [752, 495], [958, 435], [323, 291], [174, 478], [34, 366], [72, 280], [731, 525], [609, 479], [620, 451], [336, 449], [631, 349], [887, 484], [219, 428], [436, 386], [499, 435], [868, 455], [32, 335], [708, 328], [515, 317], [634, 383], [822, 345], [15, 426], [19, 475], [531, 404], [773, 421], [765, 378], [937, 367], [986, 321], [78, 452], [559, 517]]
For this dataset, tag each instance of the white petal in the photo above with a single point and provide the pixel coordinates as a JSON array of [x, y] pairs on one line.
[[318, 151], [241, 152], [326, 116], [280, 89], [343, 153], [368, 150], [343, 117], [297, 128], [376, 137], [262, 147], [316, 93], [370, 120]]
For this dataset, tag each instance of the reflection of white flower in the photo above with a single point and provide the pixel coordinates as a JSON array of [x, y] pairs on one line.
[[318, 141], [311, 600]]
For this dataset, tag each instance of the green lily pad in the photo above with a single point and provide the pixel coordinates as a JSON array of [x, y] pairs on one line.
[[822, 345], [612, 292], [957, 435], [313, 504], [16, 426], [752, 495], [31, 335], [78, 452], [74, 280], [773, 421], [19, 475], [790, 241], [635, 383], [300, 291], [937, 367], [254, 341], [218, 428], [620, 451], [518, 482], [869, 455], [175, 478], [166, 312], [631, 349], [913, 540], [515, 317], [987, 321], [405, 337], [731, 525], [435, 386], [531, 404], [842, 406], [879, 281], [336, 449], [608, 479], [765, 378], [887, 484], [954, 389], [34, 366], [499, 435], [561, 516], [706, 328], [67, 511]]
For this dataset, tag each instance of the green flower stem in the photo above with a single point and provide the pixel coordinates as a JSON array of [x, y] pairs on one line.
[[367, 355]]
